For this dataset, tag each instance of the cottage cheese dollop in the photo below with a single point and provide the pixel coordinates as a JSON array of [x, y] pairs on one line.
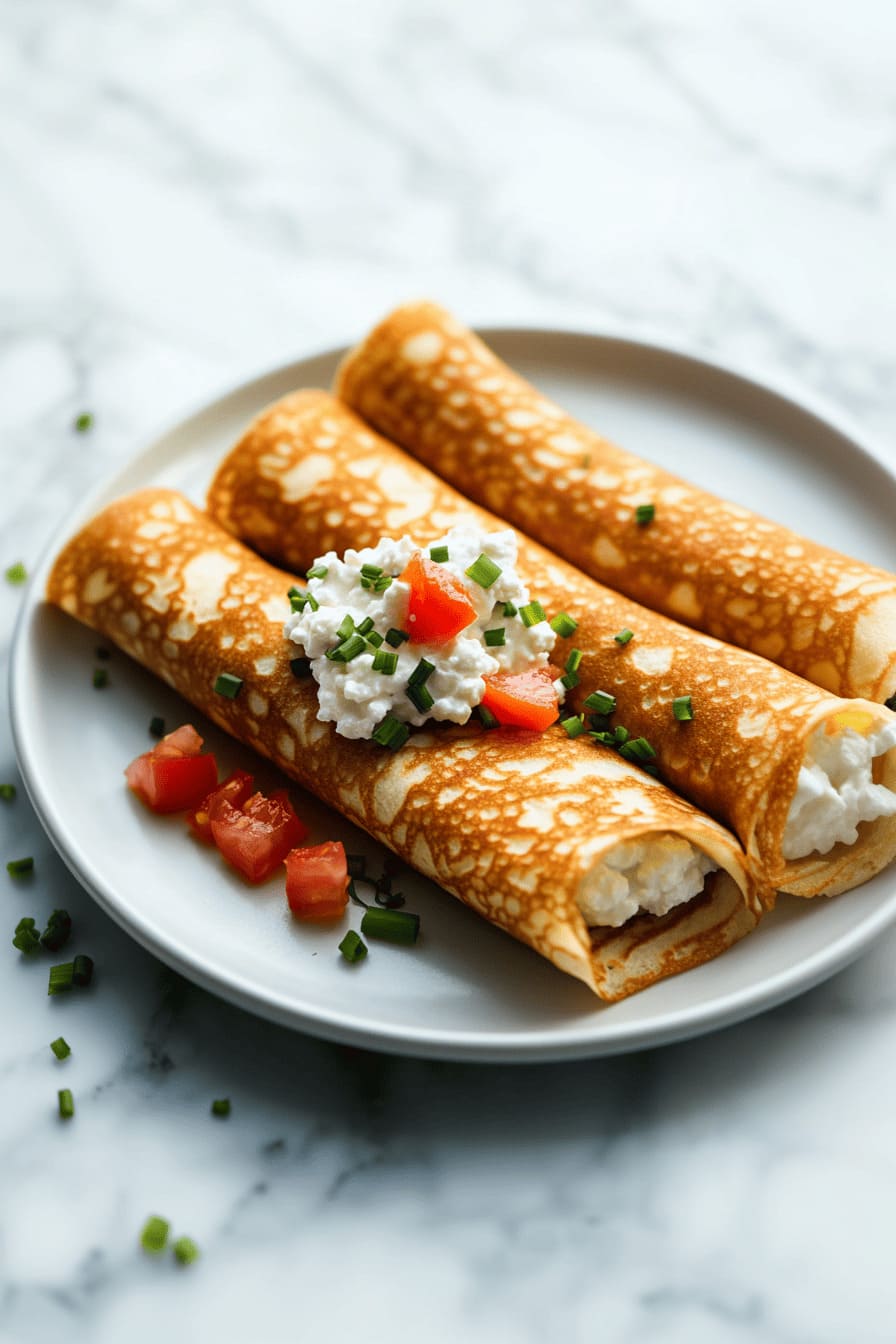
[[651, 875], [355, 697], [836, 792]]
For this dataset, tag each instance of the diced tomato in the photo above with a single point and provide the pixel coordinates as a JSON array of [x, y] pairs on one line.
[[173, 776], [439, 606], [523, 699], [235, 788], [257, 837], [317, 881]]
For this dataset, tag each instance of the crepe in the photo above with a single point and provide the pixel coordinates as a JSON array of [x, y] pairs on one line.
[[308, 476], [510, 823], [434, 388]]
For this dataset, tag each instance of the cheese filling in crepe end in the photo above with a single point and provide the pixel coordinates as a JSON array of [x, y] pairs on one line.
[[526, 829]]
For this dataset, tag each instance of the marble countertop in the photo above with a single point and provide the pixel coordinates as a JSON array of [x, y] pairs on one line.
[[192, 192]]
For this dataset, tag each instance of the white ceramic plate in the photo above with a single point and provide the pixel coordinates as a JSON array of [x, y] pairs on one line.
[[466, 991]]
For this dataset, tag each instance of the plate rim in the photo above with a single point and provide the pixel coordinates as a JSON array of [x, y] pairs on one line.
[[528, 1046]]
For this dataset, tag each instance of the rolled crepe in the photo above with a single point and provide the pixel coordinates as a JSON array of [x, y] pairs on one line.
[[308, 476], [434, 388], [515, 825]]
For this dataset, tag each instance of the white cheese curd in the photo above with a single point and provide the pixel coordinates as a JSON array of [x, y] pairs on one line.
[[355, 697], [651, 875], [835, 791]]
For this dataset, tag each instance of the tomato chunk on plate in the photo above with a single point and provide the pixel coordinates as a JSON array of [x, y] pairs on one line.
[[439, 606], [256, 838], [523, 699], [236, 788], [317, 881], [174, 776]]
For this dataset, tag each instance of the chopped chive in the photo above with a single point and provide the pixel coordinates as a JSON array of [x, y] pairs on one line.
[[357, 865], [375, 638], [620, 734], [16, 573], [384, 895], [371, 571], [58, 931], [61, 978], [382, 583], [644, 514], [103, 654], [419, 696], [348, 650], [439, 554], [60, 1047], [486, 717], [605, 739], [574, 660], [295, 591], [353, 894], [185, 1251], [564, 625], [396, 637], [624, 636], [601, 702], [66, 1104], [533, 613], [509, 609], [601, 723], [299, 600], [300, 667], [83, 422], [154, 1236], [346, 628], [18, 867], [364, 628], [569, 680], [7, 793], [385, 662], [26, 937], [220, 1107], [422, 672], [682, 708], [483, 571], [495, 638], [391, 733], [228, 685], [157, 726], [891, 702], [316, 572], [100, 678], [574, 726], [394, 926], [352, 947], [82, 971], [637, 749]]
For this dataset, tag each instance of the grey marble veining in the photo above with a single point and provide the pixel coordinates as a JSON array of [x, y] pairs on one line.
[[191, 192]]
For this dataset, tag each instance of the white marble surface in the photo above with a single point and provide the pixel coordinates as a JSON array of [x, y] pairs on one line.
[[192, 191]]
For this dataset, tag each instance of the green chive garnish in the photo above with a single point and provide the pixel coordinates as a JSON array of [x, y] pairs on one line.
[[483, 571], [61, 978], [421, 673], [682, 708], [100, 678], [391, 733], [620, 735], [58, 931], [382, 583], [574, 660], [228, 685], [300, 667], [352, 947], [364, 628], [375, 638], [371, 571], [509, 609], [419, 697], [346, 628], [385, 662], [348, 649], [533, 613], [82, 971], [60, 1047], [574, 726], [393, 926], [601, 702], [18, 867], [439, 554], [564, 625], [495, 638], [26, 937], [7, 793], [396, 637], [185, 1250], [316, 572], [154, 1236], [66, 1104], [157, 726], [83, 422], [486, 717], [637, 749], [221, 1107], [644, 514], [295, 591], [569, 680], [624, 636], [606, 739], [16, 573], [299, 600]]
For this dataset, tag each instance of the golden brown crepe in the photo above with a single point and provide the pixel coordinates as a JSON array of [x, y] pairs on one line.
[[308, 476], [433, 387], [463, 806]]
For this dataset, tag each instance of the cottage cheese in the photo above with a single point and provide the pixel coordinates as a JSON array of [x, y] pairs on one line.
[[356, 698], [651, 875], [835, 791]]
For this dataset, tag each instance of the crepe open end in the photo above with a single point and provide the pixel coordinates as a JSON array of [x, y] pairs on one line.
[[435, 388], [511, 823]]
